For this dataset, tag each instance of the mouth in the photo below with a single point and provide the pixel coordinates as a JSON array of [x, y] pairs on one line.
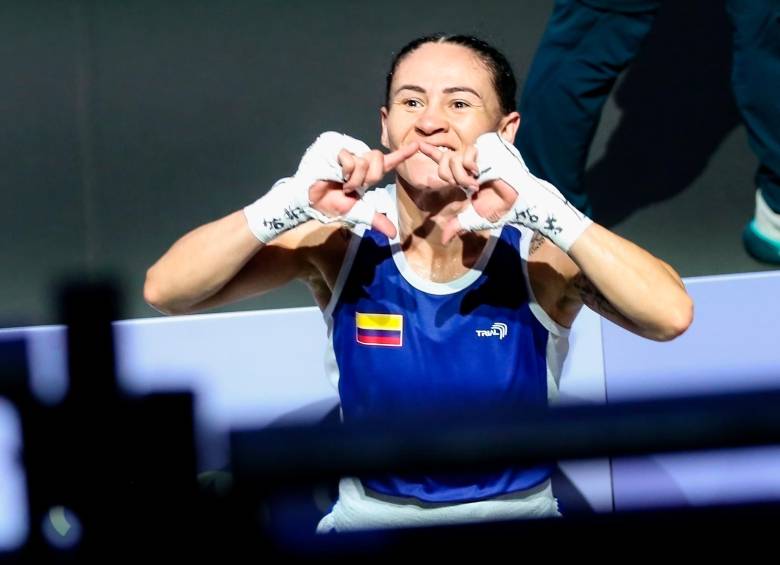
[[441, 148]]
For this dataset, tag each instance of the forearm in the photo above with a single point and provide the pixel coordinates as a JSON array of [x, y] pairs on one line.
[[199, 264], [267, 244], [630, 283]]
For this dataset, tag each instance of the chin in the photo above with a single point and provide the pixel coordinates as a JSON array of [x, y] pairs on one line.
[[420, 172]]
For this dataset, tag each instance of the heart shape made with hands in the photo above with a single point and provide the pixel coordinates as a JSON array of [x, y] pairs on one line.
[[359, 167], [502, 190], [336, 170], [489, 199]]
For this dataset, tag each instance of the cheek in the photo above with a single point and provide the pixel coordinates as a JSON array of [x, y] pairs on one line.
[[398, 127], [476, 126]]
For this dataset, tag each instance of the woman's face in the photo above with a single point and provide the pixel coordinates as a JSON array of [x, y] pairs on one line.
[[443, 94]]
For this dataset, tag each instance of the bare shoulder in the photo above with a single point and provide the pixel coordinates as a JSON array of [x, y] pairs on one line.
[[324, 249], [320, 250], [553, 274]]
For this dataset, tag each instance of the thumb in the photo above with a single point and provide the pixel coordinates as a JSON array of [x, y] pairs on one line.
[[382, 224], [451, 229]]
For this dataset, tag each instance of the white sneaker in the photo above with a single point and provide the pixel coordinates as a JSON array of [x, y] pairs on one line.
[[762, 235]]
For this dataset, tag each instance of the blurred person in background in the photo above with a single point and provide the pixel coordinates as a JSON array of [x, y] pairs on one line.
[[588, 43]]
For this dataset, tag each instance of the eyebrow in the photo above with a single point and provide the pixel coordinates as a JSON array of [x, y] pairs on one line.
[[448, 90]]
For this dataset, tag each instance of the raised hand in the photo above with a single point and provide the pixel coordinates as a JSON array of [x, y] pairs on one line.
[[328, 185], [508, 193], [338, 199], [491, 200]]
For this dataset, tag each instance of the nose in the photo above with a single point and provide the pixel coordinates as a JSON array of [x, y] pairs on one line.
[[431, 121]]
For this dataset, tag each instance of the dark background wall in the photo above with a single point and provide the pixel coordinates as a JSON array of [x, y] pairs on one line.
[[126, 124]]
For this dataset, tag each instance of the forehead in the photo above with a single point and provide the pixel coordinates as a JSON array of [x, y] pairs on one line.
[[435, 65]]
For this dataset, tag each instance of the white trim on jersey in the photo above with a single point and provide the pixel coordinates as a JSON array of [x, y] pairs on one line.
[[557, 352], [426, 285], [449, 287], [544, 318], [558, 340], [346, 267], [358, 510]]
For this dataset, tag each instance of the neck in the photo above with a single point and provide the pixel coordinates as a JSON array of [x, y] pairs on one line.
[[421, 216], [423, 213]]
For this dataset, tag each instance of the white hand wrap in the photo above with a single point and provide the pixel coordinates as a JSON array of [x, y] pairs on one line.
[[287, 204], [539, 204]]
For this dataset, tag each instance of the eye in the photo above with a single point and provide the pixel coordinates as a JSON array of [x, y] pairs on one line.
[[460, 104], [411, 103]]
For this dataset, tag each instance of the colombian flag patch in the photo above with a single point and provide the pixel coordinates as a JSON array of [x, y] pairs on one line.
[[379, 329]]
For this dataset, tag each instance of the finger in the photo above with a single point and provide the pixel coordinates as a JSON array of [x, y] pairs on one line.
[[383, 224], [470, 160], [343, 203], [445, 173], [451, 229], [462, 176], [318, 189], [376, 168], [327, 197], [392, 160], [431, 151], [358, 176], [490, 211], [347, 162], [504, 191]]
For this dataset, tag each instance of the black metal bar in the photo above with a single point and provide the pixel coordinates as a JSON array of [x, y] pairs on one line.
[[301, 455]]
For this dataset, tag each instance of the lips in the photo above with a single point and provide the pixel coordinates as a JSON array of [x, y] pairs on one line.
[[443, 147]]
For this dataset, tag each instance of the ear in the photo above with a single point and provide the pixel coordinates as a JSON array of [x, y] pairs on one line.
[[383, 116], [508, 126]]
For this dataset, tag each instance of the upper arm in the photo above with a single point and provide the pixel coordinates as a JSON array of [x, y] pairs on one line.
[[562, 288], [582, 291], [290, 256], [574, 289], [620, 281]]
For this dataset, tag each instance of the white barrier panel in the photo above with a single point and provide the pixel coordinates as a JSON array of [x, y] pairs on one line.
[[257, 368], [733, 345]]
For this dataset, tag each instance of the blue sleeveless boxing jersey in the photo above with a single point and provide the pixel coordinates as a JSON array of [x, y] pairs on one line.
[[409, 348]]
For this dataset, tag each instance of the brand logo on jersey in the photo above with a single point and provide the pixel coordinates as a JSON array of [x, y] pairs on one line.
[[379, 329], [499, 329]]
